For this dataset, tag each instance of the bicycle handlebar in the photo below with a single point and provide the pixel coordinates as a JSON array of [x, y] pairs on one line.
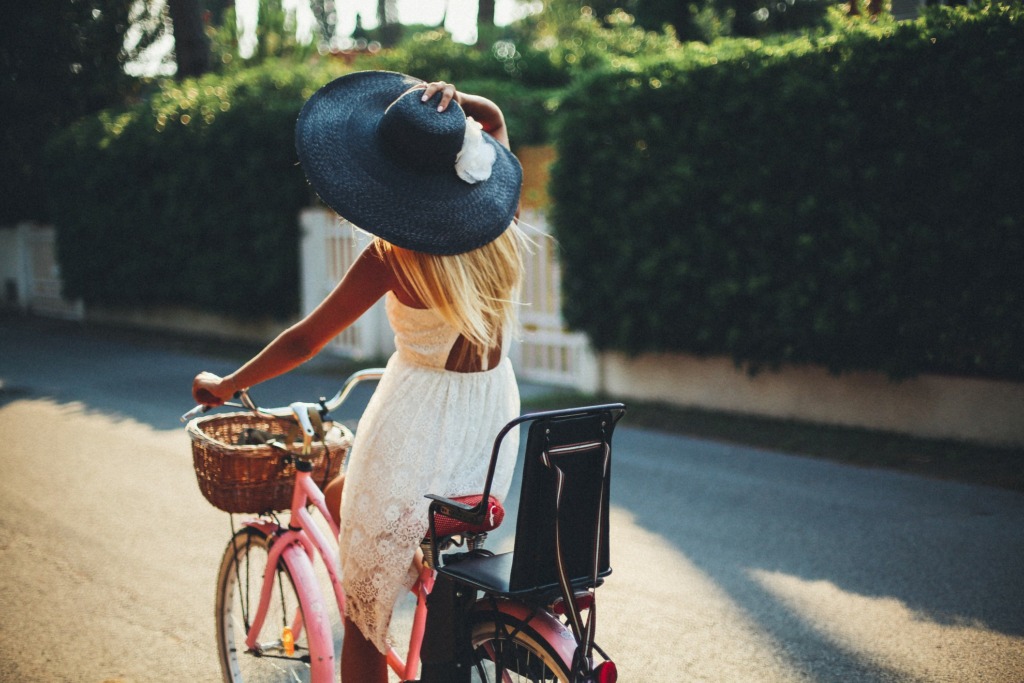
[[298, 410]]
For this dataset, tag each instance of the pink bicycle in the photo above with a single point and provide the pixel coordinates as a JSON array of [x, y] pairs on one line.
[[527, 615]]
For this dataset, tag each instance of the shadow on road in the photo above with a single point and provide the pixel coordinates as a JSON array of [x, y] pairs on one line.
[[752, 520], [71, 364]]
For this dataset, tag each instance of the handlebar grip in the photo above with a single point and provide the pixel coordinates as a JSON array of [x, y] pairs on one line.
[[198, 410], [207, 399]]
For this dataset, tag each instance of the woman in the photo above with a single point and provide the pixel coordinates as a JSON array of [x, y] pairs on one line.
[[427, 170]]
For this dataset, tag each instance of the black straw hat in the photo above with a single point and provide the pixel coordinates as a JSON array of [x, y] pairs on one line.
[[385, 160]]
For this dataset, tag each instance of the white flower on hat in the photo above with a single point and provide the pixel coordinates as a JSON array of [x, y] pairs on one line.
[[474, 161]]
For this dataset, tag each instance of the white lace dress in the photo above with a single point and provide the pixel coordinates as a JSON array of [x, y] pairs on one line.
[[426, 430]]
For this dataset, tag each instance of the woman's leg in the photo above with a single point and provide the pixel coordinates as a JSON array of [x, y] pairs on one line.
[[332, 496], [361, 661]]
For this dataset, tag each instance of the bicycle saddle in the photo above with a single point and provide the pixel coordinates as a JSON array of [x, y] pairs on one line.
[[445, 525]]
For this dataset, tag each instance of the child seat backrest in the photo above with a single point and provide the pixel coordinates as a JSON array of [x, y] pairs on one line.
[[564, 500]]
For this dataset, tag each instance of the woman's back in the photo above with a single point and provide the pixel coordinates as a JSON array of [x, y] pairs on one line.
[[423, 337]]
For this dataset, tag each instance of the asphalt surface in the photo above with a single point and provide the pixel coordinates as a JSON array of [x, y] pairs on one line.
[[731, 564]]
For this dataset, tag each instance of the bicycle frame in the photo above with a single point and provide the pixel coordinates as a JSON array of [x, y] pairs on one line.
[[297, 546]]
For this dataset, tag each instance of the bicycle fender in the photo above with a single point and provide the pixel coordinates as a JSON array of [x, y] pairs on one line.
[[315, 614], [544, 623]]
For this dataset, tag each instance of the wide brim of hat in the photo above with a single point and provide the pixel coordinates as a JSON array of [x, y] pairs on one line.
[[422, 210]]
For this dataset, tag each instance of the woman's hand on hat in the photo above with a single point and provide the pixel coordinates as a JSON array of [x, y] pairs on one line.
[[483, 111], [447, 90]]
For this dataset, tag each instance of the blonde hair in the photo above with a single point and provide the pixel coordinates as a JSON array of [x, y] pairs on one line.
[[476, 292]]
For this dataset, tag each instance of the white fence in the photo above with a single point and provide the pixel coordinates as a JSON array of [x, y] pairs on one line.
[[31, 274], [545, 352]]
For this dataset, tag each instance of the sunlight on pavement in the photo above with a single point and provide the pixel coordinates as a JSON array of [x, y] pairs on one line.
[[110, 551], [884, 630], [663, 619]]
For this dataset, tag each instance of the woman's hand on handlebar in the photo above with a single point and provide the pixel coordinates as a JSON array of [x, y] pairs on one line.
[[211, 390]]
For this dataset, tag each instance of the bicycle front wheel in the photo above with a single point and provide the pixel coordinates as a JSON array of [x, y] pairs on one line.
[[508, 650], [239, 584]]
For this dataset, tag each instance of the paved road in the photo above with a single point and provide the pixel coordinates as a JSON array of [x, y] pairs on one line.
[[731, 564]]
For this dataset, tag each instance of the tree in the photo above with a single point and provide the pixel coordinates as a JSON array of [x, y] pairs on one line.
[[387, 19], [485, 14], [485, 31], [61, 59], [707, 19], [191, 44]]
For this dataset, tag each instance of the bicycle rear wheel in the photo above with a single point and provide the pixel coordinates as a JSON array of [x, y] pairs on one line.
[[508, 650], [238, 594]]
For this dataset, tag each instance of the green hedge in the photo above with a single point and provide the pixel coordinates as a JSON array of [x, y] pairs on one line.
[[851, 200], [192, 197]]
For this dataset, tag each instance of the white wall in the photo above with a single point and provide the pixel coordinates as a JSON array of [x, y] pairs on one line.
[[986, 411]]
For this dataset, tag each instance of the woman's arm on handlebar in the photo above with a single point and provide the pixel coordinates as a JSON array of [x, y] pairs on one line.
[[366, 281], [323, 406]]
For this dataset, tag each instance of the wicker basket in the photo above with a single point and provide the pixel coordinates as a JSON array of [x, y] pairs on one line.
[[252, 479]]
